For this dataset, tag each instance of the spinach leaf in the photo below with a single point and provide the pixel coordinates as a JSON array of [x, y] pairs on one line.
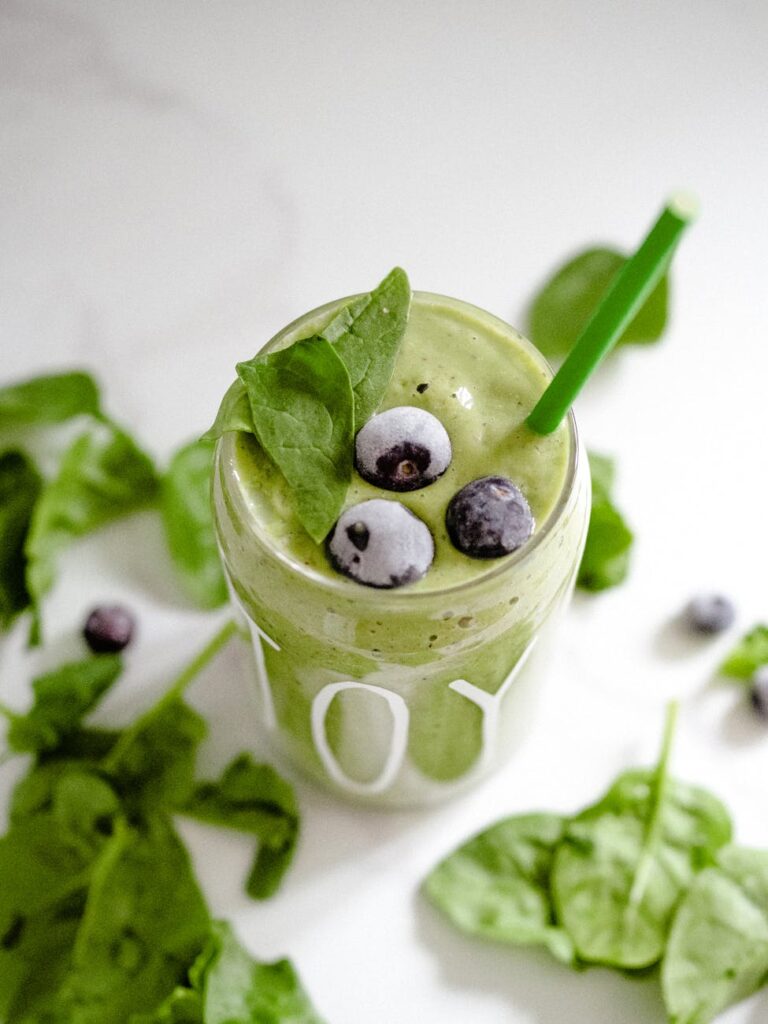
[[567, 300], [185, 504], [63, 698], [153, 762], [717, 952], [145, 920], [367, 335], [20, 485], [234, 413], [49, 399], [102, 476], [183, 1006], [749, 654], [303, 411], [605, 562], [496, 885], [253, 798], [236, 989], [625, 862]]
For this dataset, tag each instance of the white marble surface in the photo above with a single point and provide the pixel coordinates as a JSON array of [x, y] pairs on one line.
[[179, 179]]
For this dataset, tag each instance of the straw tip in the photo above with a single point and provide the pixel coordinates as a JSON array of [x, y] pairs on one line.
[[684, 205]]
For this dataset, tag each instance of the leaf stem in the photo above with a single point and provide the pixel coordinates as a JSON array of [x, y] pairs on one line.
[[201, 659]]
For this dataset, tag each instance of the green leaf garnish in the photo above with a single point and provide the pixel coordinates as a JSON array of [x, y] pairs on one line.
[[185, 504], [717, 953], [367, 336], [62, 699], [20, 486], [102, 476], [496, 885], [303, 413], [568, 299], [749, 654], [253, 798], [605, 562], [50, 399]]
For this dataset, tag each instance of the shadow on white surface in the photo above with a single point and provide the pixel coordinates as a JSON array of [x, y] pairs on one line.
[[539, 990]]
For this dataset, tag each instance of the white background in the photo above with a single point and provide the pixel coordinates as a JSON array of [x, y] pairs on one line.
[[179, 179]]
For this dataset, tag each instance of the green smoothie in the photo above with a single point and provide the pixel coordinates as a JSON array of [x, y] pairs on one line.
[[405, 696]]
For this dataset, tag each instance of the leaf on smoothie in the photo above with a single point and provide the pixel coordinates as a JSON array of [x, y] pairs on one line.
[[567, 300], [303, 413]]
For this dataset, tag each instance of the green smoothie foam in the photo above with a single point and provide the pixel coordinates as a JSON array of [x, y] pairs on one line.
[[404, 696]]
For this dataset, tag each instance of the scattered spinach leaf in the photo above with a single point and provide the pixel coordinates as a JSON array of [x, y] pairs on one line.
[[185, 504], [253, 798], [717, 953], [20, 485], [367, 335], [63, 698], [568, 299], [236, 989], [103, 475], [496, 885], [144, 921], [53, 398], [749, 654], [625, 862], [605, 562], [303, 412]]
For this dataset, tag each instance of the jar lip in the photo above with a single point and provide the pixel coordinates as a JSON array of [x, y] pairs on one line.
[[388, 599]]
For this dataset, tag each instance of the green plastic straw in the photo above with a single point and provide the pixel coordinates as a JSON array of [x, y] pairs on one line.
[[621, 303]]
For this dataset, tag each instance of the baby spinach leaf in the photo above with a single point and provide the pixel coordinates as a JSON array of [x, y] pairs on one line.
[[49, 399], [102, 476], [717, 952], [234, 413], [185, 504], [20, 485], [183, 1006], [625, 862], [237, 989], [496, 885], [144, 921], [367, 335], [153, 762], [303, 411], [253, 798], [749, 654], [567, 300], [605, 562], [63, 698]]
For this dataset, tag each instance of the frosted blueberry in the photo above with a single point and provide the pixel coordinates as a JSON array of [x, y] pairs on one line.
[[108, 629], [380, 544], [759, 692], [489, 518], [710, 613], [402, 449]]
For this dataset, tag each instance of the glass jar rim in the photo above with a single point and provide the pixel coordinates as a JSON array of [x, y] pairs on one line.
[[390, 598]]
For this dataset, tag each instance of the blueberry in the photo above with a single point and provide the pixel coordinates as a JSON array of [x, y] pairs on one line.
[[710, 613], [381, 544], [108, 629], [402, 449], [489, 518], [759, 692]]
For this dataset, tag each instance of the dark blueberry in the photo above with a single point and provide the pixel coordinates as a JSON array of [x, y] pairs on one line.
[[402, 449], [108, 629], [380, 544], [710, 614], [489, 518], [759, 692]]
